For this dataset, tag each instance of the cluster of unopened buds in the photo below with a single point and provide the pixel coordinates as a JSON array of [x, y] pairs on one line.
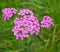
[[26, 24]]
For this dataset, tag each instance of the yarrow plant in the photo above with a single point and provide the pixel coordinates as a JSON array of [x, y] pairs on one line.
[[8, 13], [26, 24]]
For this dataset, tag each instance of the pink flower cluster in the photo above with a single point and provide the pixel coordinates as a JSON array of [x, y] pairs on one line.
[[8, 13], [25, 26], [25, 12], [46, 22]]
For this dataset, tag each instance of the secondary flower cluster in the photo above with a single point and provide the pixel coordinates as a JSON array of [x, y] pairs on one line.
[[25, 26], [25, 12], [8, 13], [46, 22]]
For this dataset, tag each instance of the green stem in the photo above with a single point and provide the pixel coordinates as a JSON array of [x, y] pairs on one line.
[[27, 47], [41, 40]]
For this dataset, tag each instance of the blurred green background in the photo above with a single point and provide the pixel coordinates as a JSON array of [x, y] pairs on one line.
[[50, 36]]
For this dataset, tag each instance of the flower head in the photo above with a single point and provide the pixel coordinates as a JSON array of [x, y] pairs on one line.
[[25, 12], [46, 22], [25, 26], [8, 13]]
